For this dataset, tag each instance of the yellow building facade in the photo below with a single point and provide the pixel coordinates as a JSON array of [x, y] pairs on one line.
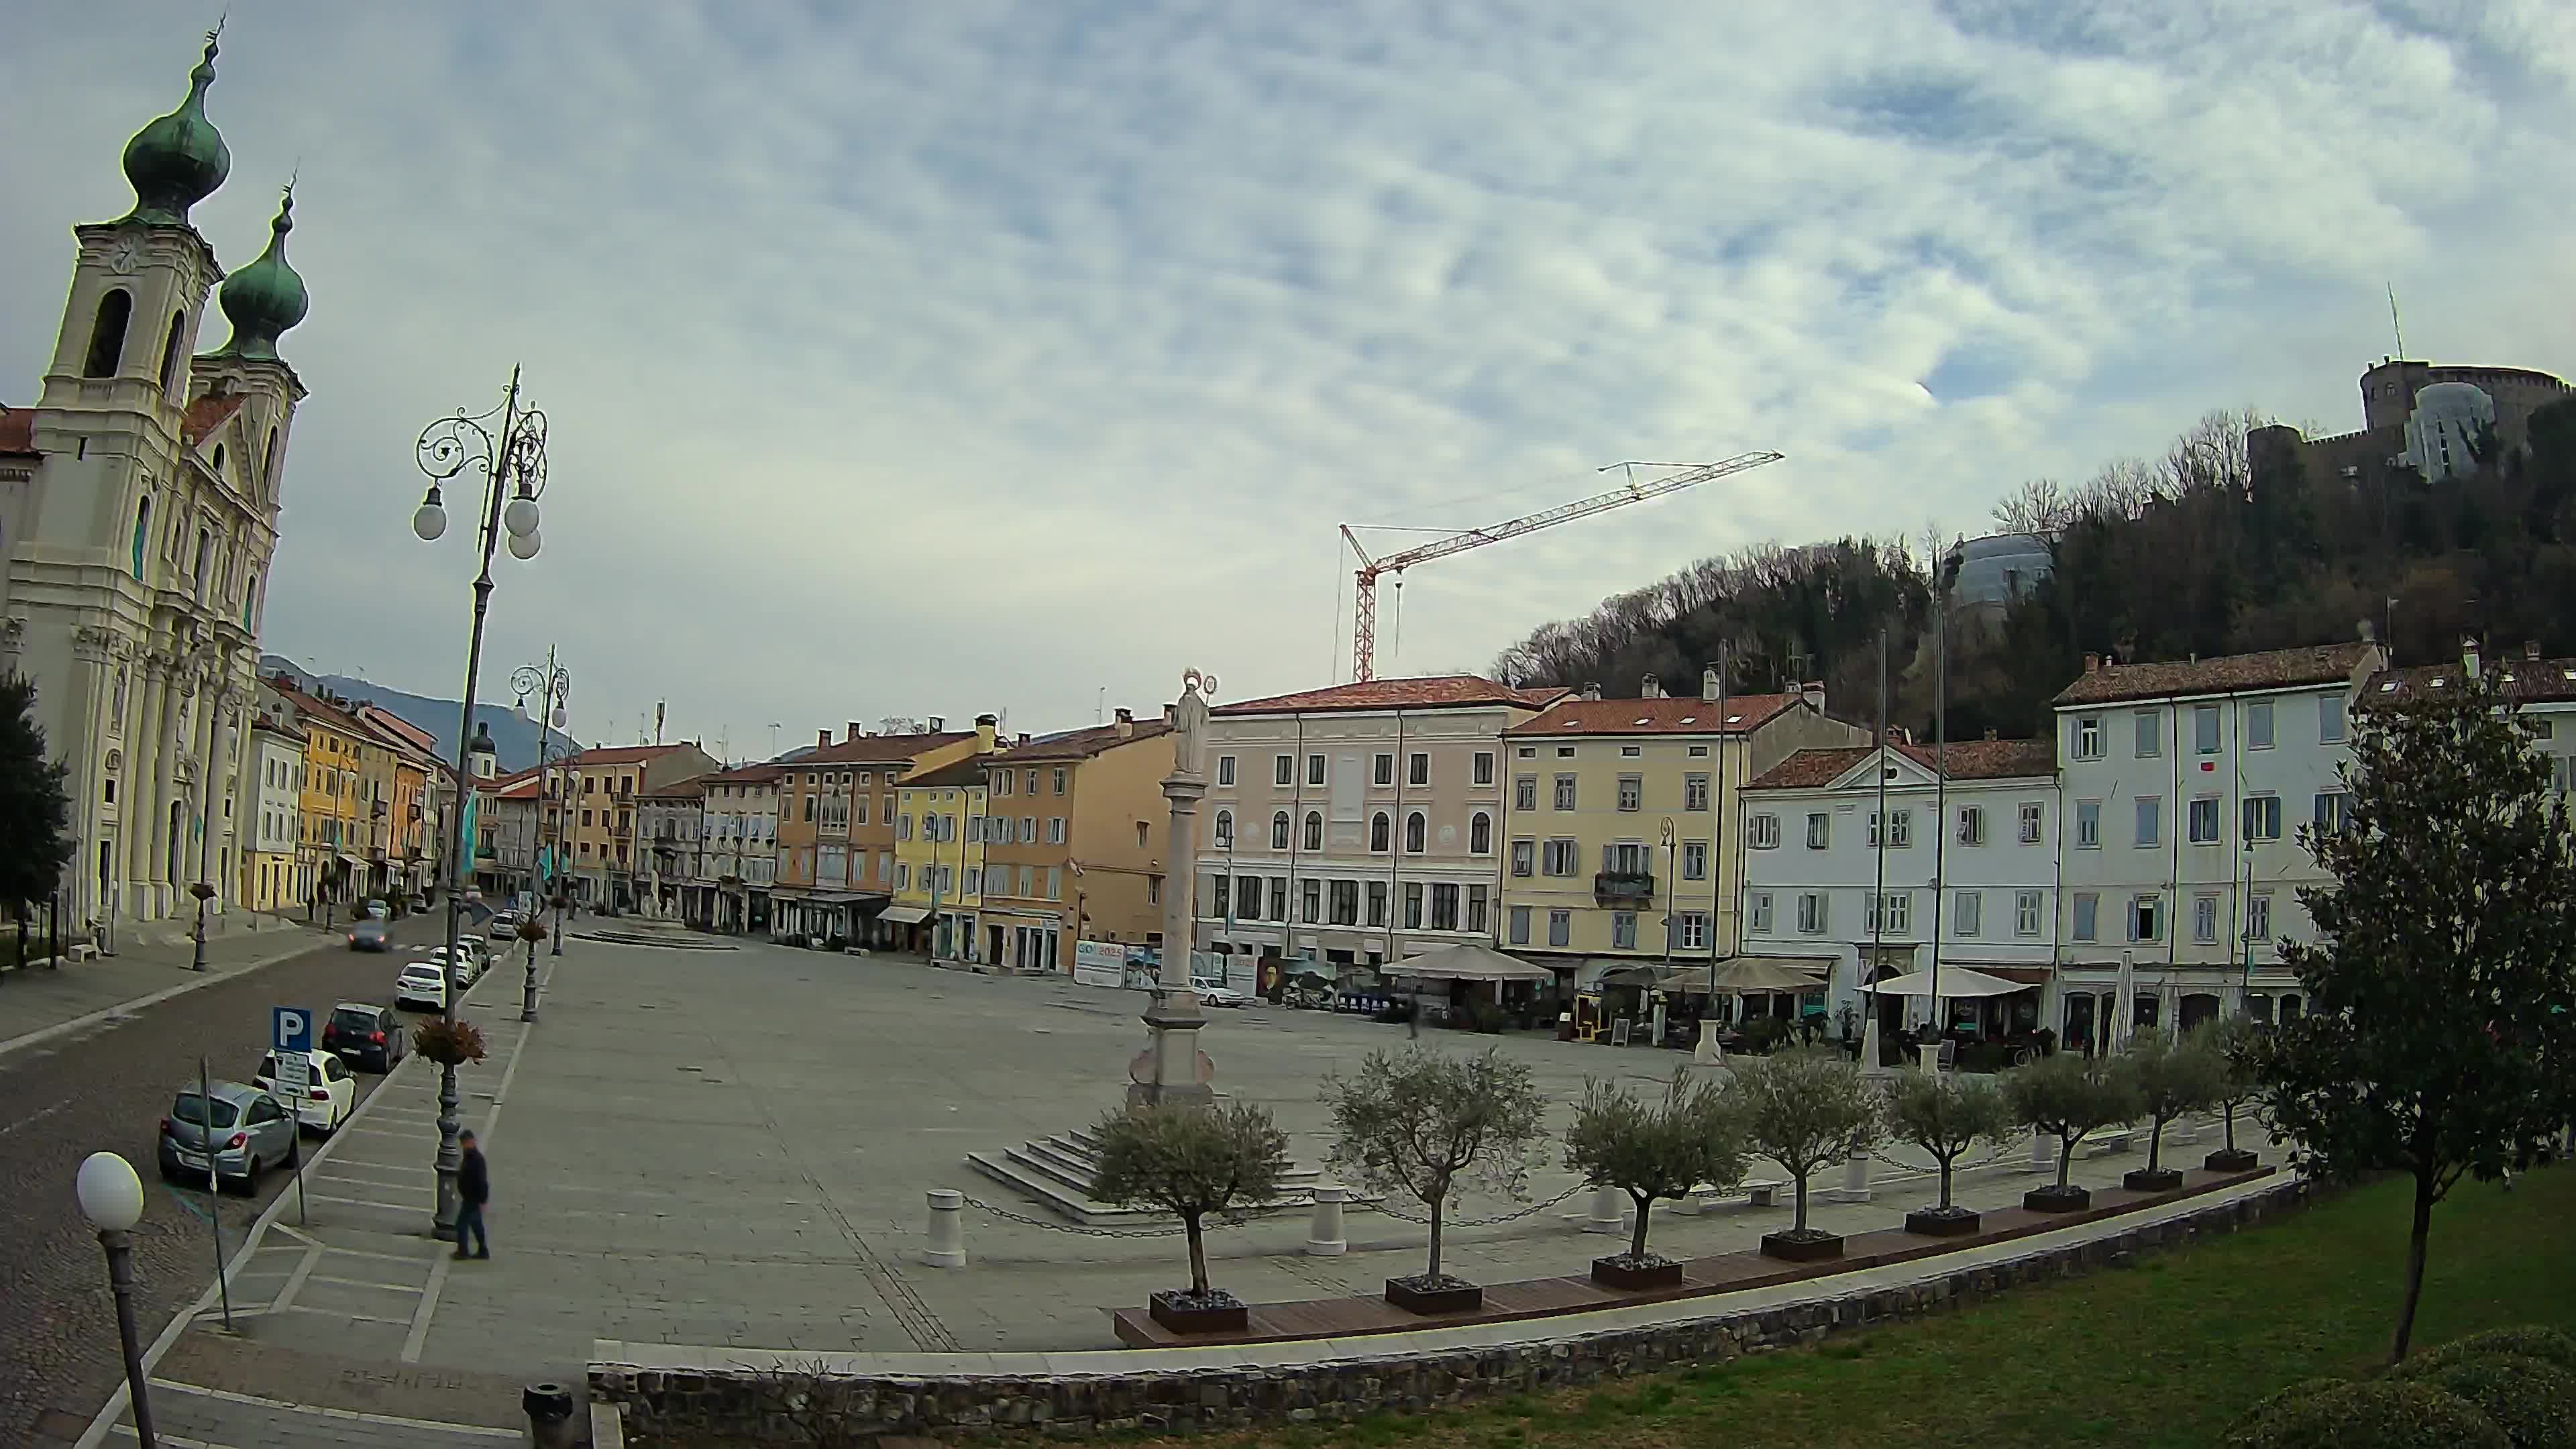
[[939, 857], [333, 847], [1622, 823]]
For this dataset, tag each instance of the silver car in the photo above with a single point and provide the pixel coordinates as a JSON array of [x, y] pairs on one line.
[[248, 1131]]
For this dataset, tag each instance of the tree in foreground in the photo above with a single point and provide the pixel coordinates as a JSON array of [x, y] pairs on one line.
[[1805, 1110], [35, 810], [1426, 1124], [2236, 1043], [2438, 1039], [2172, 1076], [1945, 1114], [1194, 1163], [2070, 1097], [1651, 1151]]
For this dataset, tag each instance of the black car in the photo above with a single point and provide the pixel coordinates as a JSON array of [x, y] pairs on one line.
[[369, 936], [365, 1035]]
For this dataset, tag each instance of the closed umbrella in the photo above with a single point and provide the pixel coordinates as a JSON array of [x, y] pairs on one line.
[[2122, 1012]]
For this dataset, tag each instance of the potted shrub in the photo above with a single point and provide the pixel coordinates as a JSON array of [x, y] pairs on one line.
[[1945, 1114], [447, 1041], [2235, 1042], [1191, 1162], [1652, 1151], [2070, 1097], [1424, 1123], [1805, 1110], [2171, 1077]]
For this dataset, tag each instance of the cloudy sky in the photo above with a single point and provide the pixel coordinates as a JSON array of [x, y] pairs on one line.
[[929, 359]]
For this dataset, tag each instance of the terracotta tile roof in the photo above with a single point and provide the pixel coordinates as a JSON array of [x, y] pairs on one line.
[[746, 774], [692, 788], [1085, 743], [1439, 691], [879, 749], [968, 771], [207, 414], [331, 714], [2526, 680], [521, 786], [623, 754], [1967, 760], [2271, 669], [17, 431], [1666, 716]]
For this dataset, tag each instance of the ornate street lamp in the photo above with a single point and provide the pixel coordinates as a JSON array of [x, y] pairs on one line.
[[513, 464], [554, 684]]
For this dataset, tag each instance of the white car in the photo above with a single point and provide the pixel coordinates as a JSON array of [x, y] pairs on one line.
[[422, 984], [330, 1092], [1222, 996], [468, 965]]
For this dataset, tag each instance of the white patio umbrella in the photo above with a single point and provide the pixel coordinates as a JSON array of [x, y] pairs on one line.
[[1956, 981]]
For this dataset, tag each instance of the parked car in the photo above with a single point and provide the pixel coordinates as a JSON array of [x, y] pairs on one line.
[[1222, 996], [367, 1034], [243, 1129], [330, 1093], [369, 936], [422, 984], [473, 958], [505, 926]]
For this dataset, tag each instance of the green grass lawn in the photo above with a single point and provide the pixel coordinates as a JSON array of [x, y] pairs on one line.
[[2165, 1352]]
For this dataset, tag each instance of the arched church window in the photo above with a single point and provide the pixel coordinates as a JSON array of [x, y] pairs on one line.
[[170, 352], [268, 466], [107, 334], [219, 460]]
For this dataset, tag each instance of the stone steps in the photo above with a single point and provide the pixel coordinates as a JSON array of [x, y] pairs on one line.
[[1057, 1172]]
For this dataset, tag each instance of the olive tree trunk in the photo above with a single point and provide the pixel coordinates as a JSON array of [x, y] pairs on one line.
[[1198, 1252]]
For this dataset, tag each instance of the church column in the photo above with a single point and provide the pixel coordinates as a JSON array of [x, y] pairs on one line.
[[179, 697], [92, 689], [137, 808]]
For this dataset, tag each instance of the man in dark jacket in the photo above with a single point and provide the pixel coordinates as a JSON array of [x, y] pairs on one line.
[[473, 1189]]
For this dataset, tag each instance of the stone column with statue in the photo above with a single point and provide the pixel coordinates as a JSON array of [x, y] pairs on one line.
[[1173, 1071]]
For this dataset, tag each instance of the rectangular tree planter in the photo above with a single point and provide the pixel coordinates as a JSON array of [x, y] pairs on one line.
[[1172, 1309], [2162, 1179], [1452, 1296], [1801, 1250], [2231, 1159], [2057, 1199], [1618, 1272], [1933, 1223]]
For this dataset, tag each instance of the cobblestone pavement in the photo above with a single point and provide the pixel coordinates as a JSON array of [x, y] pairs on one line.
[[106, 1085]]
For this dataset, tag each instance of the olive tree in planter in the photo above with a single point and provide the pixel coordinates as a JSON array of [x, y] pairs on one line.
[[2236, 1042], [2172, 1076], [1191, 1162], [2070, 1097], [1805, 1110], [1424, 1123], [1945, 1114], [1651, 1151]]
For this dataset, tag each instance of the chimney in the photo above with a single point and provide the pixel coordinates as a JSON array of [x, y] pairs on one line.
[[1709, 688], [2369, 634], [2469, 655], [2530, 648], [822, 737], [1814, 692], [938, 724], [1592, 691], [2093, 662], [854, 731], [986, 728], [1126, 723], [1651, 688], [1024, 737]]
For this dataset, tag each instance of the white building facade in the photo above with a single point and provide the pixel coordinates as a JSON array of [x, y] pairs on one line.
[[2185, 785], [277, 878], [1356, 825], [138, 509], [738, 859], [1964, 872]]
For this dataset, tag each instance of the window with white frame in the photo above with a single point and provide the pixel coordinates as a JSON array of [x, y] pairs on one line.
[[1417, 769], [1224, 830], [1763, 832], [1520, 926], [1560, 857], [1820, 830], [1482, 770], [1813, 917], [1968, 912], [2088, 824], [2151, 820], [1694, 860], [1692, 928], [1381, 833], [1972, 825], [1560, 928], [2334, 807], [1565, 792], [1415, 832], [1694, 792], [1382, 768], [2204, 920], [2258, 917], [2147, 917], [1757, 911], [2203, 823], [1480, 834], [1225, 769], [1055, 830], [2026, 909], [1623, 930], [1900, 828], [1413, 905], [1314, 830], [2204, 729], [1524, 857], [1314, 769], [1279, 828], [2086, 741], [1525, 792], [1284, 770], [2262, 817], [1632, 792], [2258, 724], [2150, 727], [2330, 723]]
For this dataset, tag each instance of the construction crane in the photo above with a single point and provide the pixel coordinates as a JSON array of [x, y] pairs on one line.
[[1364, 613]]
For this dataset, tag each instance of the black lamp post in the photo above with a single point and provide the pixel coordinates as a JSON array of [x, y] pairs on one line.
[[513, 464]]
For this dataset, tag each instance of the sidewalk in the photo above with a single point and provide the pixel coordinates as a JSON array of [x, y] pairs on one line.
[[40, 1003]]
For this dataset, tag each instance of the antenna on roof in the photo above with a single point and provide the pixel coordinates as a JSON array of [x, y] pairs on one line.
[[2395, 325]]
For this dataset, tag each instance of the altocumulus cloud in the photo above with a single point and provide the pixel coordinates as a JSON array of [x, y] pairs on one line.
[[941, 358]]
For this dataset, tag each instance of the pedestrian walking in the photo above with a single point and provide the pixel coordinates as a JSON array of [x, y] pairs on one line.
[[473, 1189]]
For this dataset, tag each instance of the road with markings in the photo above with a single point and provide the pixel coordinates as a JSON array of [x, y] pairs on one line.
[[108, 1087]]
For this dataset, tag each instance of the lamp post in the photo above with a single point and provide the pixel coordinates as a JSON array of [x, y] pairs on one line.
[[111, 1197], [554, 683], [513, 464], [203, 890]]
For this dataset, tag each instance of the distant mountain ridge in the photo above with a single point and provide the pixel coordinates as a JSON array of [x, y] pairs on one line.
[[516, 739]]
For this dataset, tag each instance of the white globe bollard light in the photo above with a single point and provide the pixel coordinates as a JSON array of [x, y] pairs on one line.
[[947, 1229], [1855, 1186], [111, 1197], [1324, 1237], [1609, 1211]]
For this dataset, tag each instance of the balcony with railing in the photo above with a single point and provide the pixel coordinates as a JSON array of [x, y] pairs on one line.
[[1623, 886]]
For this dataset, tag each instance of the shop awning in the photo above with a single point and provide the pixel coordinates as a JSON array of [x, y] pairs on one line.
[[1738, 975], [905, 915], [1466, 961], [1955, 981], [1648, 975], [2026, 975]]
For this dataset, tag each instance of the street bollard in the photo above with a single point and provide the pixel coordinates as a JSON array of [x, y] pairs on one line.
[[2184, 1131], [1609, 1211], [2043, 1154], [549, 1409], [1324, 1231], [947, 1229], [1855, 1186]]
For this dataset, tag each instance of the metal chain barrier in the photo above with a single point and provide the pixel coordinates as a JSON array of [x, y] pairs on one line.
[[1088, 1232], [1446, 1223], [2009, 1146]]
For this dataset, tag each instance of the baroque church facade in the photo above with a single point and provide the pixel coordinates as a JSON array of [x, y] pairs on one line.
[[138, 514]]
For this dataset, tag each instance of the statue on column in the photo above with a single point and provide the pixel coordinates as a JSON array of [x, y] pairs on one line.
[[1189, 724]]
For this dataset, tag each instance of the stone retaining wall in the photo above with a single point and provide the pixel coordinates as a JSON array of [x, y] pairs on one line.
[[724, 1395]]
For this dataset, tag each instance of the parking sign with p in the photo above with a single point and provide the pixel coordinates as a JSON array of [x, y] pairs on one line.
[[290, 1035]]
